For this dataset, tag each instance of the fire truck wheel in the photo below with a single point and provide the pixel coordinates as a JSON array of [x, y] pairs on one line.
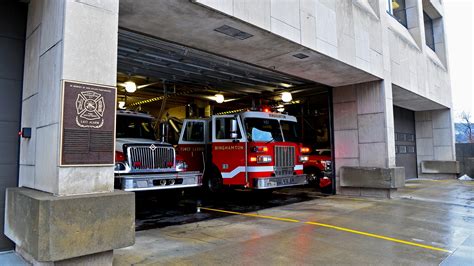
[[213, 181], [326, 190], [313, 174]]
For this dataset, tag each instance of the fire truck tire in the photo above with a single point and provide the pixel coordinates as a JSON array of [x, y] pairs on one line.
[[326, 190], [313, 174], [213, 180]]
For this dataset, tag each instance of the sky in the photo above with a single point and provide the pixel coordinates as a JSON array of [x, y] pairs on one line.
[[459, 30]]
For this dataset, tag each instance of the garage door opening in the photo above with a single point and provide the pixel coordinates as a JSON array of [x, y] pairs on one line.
[[172, 83]]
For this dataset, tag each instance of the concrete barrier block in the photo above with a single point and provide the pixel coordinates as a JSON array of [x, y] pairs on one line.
[[440, 167], [51, 228], [372, 177]]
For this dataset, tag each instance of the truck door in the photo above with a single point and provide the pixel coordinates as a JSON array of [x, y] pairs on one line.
[[229, 149], [192, 143]]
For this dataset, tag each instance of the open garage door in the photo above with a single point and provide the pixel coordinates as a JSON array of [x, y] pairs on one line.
[[173, 82]]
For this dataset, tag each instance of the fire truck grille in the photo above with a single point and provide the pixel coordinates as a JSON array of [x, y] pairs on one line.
[[150, 157], [284, 160]]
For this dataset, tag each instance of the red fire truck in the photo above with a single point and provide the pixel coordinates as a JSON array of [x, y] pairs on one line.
[[252, 149]]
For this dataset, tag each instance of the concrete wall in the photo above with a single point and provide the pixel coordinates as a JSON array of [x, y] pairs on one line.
[[359, 33], [62, 43], [12, 46], [72, 40], [362, 34], [363, 127], [434, 137]]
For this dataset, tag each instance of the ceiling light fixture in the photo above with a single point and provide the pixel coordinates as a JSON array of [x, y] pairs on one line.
[[281, 110], [286, 85], [121, 105], [286, 97], [219, 98], [130, 86]]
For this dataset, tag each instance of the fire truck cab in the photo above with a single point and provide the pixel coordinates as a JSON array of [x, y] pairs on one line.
[[252, 149]]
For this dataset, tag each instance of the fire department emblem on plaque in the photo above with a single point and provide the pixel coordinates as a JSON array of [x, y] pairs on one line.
[[90, 107]]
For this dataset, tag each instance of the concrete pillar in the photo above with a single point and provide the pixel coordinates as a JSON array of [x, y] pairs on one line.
[[66, 40], [76, 41], [363, 135], [435, 143]]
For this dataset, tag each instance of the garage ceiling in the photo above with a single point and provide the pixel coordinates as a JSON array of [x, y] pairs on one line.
[[146, 59]]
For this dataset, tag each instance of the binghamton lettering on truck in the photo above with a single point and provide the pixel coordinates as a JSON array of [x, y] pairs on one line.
[[226, 148]]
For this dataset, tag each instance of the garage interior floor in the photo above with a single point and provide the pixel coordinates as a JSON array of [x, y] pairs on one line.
[[430, 222]]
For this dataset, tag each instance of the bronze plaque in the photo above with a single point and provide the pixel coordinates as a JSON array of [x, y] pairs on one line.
[[88, 124]]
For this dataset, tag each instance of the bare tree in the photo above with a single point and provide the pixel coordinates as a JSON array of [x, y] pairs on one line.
[[468, 126]]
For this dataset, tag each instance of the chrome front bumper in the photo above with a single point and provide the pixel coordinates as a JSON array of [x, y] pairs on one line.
[[280, 181], [160, 181]]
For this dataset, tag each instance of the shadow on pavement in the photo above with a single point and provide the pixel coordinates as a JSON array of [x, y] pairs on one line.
[[157, 209]]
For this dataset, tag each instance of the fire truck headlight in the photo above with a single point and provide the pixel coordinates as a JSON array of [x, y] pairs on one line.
[[119, 167], [264, 159], [128, 184], [181, 166], [304, 149], [327, 165], [304, 158], [259, 149]]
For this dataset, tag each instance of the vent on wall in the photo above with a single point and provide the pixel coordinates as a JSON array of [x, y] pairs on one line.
[[233, 32], [300, 56]]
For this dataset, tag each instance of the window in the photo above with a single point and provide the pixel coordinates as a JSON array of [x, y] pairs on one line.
[[397, 9], [261, 129], [224, 128], [194, 131], [133, 127], [402, 137], [402, 149], [290, 131], [429, 35]]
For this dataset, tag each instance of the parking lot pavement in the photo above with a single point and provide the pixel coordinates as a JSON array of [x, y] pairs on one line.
[[429, 222]]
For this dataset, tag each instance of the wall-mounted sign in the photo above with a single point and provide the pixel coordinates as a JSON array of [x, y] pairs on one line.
[[88, 124]]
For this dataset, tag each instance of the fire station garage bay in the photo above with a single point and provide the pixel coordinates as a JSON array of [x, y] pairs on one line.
[[189, 112]]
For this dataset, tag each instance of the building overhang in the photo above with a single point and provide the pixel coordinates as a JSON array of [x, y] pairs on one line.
[[412, 101], [193, 25]]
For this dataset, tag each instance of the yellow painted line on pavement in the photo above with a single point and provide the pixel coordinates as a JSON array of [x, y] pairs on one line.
[[378, 236], [331, 227], [253, 215]]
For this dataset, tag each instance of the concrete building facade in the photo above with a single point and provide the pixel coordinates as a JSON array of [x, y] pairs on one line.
[[375, 60]]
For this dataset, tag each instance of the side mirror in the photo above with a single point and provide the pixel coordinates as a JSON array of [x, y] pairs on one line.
[[233, 129], [163, 132]]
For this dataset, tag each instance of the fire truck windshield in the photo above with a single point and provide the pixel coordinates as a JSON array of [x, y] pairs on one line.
[[133, 127], [290, 131], [262, 129]]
